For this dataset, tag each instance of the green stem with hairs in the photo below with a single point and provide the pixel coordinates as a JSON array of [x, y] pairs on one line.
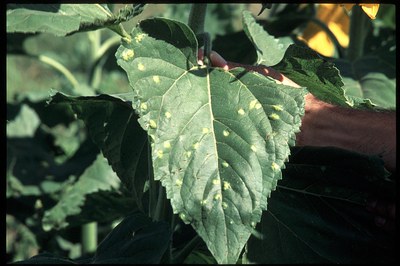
[[197, 18]]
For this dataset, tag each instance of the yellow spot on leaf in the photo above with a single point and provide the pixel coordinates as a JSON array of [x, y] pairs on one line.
[[167, 144], [156, 79], [203, 202], [152, 123], [252, 104], [253, 148], [179, 182], [225, 164], [277, 107], [160, 154], [275, 166], [182, 216], [143, 106], [226, 133], [196, 145], [141, 67], [217, 196], [241, 111], [205, 130], [127, 54], [216, 181], [188, 154], [274, 116], [167, 114], [258, 106], [226, 185], [139, 37], [224, 205]]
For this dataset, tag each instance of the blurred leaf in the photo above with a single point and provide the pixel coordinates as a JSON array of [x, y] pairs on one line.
[[64, 19], [208, 129], [270, 50], [25, 124], [372, 76], [136, 240], [98, 176], [103, 206], [20, 241], [113, 126], [318, 215]]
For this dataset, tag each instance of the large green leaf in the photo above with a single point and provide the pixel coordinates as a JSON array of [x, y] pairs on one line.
[[270, 50], [219, 138], [318, 215], [136, 240], [113, 126], [63, 19]]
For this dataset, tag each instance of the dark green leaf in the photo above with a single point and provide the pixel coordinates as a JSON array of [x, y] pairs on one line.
[[113, 126], [219, 138], [305, 67], [270, 51], [136, 240], [318, 215]]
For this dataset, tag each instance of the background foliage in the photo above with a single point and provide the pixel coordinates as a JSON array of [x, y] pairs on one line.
[[58, 180]]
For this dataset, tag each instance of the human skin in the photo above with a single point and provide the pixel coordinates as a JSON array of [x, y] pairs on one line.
[[324, 124]]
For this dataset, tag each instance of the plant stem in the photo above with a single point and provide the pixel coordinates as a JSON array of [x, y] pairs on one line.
[[99, 58], [359, 25], [89, 238], [197, 18], [62, 69]]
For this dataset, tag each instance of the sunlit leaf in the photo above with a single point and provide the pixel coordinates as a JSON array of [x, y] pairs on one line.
[[219, 138]]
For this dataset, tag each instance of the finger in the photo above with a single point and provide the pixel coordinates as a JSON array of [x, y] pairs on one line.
[[200, 56], [385, 224], [382, 208], [218, 61]]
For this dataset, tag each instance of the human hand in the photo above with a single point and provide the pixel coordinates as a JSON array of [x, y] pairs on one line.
[[385, 213], [219, 61]]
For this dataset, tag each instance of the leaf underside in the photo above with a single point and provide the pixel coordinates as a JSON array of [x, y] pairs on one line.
[[219, 138]]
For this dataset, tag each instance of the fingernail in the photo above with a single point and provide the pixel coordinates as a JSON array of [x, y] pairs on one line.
[[380, 221]]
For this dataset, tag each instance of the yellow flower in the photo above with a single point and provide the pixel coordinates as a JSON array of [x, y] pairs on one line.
[[370, 9], [338, 22]]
